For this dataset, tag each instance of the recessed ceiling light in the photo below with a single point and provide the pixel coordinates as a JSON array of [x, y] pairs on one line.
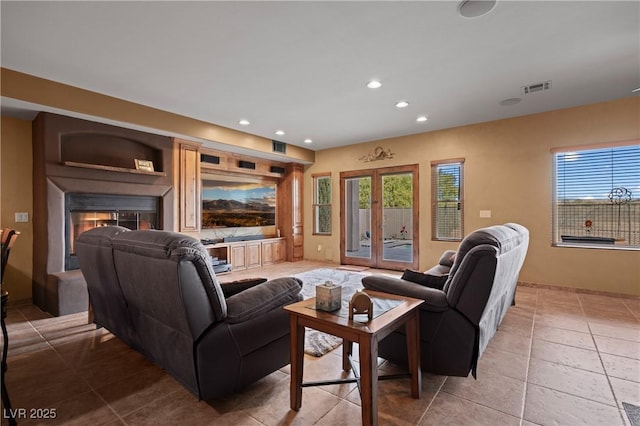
[[279, 132], [308, 141], [475, 8], [421, 119], [510, 101], [244, 122], [374, 84], [402, 104]]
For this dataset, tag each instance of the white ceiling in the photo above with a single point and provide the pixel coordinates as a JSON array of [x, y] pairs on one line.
[[302, 66]]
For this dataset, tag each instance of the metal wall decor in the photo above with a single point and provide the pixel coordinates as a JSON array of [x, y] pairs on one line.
[[378, 154]]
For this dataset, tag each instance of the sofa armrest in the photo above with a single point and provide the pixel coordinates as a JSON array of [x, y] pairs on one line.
[[234, 287], [435, 300], [258, 300], [447, 258]]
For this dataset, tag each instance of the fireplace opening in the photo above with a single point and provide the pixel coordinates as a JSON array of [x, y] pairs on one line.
[[87, 211]]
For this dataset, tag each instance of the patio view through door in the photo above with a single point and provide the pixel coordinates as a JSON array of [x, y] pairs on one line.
[[379, 217]]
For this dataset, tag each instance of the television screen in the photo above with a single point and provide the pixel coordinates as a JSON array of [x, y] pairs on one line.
[[237, 202]]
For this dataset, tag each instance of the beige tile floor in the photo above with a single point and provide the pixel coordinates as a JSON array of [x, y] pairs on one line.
[[559, 358]]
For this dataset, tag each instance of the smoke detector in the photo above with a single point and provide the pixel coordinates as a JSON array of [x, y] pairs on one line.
[[536, 87]]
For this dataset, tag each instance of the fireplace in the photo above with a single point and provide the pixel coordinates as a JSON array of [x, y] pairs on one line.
[[84, 175], [87, 211]]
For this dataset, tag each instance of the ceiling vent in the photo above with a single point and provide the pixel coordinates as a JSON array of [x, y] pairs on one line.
[[536, 87], [280, 147]]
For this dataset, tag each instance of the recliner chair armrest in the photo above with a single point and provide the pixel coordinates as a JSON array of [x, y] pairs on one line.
[[234, 287], [258, 300], [435, 300], [447, 258]]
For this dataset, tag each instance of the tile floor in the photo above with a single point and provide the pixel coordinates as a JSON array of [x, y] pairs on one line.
[[559, 358]]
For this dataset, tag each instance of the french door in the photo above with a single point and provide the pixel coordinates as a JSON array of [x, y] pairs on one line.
[[379, 217]]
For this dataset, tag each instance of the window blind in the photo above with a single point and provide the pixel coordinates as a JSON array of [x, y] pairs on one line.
[[597, 196]]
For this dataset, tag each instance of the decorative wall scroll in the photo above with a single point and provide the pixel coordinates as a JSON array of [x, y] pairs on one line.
[[378, 154]]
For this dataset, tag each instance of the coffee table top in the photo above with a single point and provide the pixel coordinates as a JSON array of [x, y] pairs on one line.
[[395, 308]]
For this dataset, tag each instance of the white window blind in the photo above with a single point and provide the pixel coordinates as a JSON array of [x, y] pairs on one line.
[[447, 209], [597, 196]]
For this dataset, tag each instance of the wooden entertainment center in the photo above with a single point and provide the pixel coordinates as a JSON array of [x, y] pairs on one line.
[[192, 160]]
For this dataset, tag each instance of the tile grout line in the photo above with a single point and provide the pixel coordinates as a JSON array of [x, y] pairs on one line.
[[432, 400], [615, 398], [70, 366], [526, 374]]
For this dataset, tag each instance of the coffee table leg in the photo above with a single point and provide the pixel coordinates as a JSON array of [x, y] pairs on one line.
[[412, 328], [369, 380], [347, 350], [297, 362]]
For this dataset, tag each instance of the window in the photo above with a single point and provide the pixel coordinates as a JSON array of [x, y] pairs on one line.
[[322, 204], [597, 196], [447, 206]]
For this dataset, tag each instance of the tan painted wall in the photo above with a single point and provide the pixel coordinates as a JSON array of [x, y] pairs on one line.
[[508, 171], [16, 194]]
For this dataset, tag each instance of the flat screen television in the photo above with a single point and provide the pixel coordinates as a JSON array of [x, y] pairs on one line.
[[232, 202]]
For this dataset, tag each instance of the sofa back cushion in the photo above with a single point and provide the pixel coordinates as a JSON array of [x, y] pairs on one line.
[[172, 295], [168, 276], [473, 274], [95, 256]]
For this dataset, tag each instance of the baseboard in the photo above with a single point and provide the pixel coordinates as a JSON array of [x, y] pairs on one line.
[[578, 290]]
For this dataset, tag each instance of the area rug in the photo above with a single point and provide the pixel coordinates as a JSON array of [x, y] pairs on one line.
[[633, 413], [318, 343]]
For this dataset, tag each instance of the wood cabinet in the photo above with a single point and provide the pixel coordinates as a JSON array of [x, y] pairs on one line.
[[254, 254], [249, 254], [273, 251], [189, 185], [238, 257], [290, 217]]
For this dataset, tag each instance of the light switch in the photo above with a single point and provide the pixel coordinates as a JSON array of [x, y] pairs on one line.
[[485, 213], [22, 217]]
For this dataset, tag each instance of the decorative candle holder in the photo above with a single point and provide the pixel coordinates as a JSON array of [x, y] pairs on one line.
[[328, 296]]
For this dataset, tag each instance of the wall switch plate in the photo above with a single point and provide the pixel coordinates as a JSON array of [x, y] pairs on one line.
[[22, 217], [485, 213]]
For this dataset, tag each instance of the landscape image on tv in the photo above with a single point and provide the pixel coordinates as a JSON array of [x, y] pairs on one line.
[[228, 204]]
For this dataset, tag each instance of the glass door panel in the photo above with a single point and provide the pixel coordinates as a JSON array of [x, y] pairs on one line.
[[379, 217], [357, 217], [397, 217]]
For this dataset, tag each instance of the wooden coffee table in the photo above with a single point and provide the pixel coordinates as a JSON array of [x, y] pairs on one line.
[[396, 311]]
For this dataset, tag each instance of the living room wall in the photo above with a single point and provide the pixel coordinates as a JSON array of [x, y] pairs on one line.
[[16, 191], [508, 170]]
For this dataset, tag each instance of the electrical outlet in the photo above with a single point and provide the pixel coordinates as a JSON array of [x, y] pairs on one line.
[[485, 213], [22, 217], [319, 247]]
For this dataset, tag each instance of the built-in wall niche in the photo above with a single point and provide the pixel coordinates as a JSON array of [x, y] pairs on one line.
[[108, 152], [236, 206]]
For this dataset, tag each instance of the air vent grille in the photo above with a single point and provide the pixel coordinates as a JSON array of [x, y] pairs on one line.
[[211, 159], [536, 87], [280, 147], [246, 165]]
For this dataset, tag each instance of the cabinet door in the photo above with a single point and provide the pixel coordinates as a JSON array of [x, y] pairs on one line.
[[238, 257], [253, 255], [290, 194], [189, 188], [278, 251], [267, 252]]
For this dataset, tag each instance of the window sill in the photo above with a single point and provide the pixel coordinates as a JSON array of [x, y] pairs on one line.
[[596, 246]]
